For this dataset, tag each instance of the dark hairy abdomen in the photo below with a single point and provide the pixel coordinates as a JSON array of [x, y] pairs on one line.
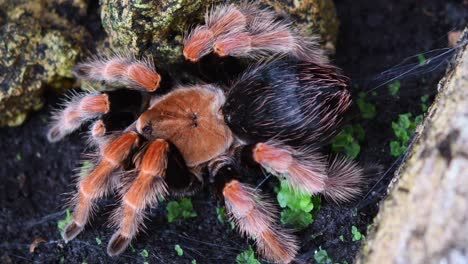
[[295, 103]]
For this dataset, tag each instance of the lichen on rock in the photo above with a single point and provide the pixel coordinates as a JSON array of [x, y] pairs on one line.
[[151, 27], [38, 49], [311, 17]]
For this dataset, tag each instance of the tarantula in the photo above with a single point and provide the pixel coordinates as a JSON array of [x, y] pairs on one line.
[[276, 115]]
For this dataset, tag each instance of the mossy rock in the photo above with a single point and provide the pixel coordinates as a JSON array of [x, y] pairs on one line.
[[151, 27], [38, 49], [311, 17], [157, 27]]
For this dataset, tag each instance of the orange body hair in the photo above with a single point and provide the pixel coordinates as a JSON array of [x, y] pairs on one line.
[[146, 190], [136, 74], [98, 182], [80, 108], [304, 175], [191, 119], [255, 218], [246, 30]]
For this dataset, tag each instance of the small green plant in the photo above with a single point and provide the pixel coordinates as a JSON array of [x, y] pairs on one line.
[[61, 224], [424, 100], [144, 253], [177, 210], [368, 110], [299, 209], [221, 214], [179, 250], [86, 168], [18, 157], [404, 129], [194, 261], [347, 141], [98, 241], [356, 234], [394, 88], [342, 238], [247, 257], [422, 59], [321, 257]]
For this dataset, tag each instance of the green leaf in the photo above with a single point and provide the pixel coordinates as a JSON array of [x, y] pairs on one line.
[[247, 257], [221, 213], [194, 261], [347, 141], [321, 257], [287, 197], [422, 59], [61, 224], [178, 210], [86, 168], [144, 253], [98, 241], [359, 132], [394, 87], [342, 238], [299, 208], [356, 234], [396, 149], [368, 110], [299, 219], [179, 250]]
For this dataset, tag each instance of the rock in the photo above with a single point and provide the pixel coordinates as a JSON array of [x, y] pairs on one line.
[[311, 17], [38, 49], [152, 27], [424, 219]]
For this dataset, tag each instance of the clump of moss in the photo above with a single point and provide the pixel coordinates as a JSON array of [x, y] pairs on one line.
[[38, 49]]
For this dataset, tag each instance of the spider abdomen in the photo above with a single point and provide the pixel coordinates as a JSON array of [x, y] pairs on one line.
[[295, 103]]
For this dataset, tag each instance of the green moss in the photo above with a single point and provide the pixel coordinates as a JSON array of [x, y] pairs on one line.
[[154, 27], [34, 54]]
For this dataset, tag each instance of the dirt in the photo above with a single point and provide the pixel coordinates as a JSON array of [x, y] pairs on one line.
[[36, 176]]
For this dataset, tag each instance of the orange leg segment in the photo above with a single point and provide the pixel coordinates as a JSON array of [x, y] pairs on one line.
[[254, 216], [98, 182], [146, 190]]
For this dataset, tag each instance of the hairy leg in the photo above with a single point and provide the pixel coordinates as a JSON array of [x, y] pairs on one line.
[[146, 190], [98, 182], [340, 180], [246, 30], [79, 108], [134, 73], [255, 218]]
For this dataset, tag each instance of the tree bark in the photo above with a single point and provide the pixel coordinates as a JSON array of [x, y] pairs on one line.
[[425, 217]]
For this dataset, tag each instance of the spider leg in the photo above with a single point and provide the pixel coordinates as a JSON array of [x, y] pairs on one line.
[[80, 108], [220, 21], [99, 181], [341, 180], [114, 108], [127, 70], [254, 216], [269, 37], [245, 30], [146, 190], [253, 213]]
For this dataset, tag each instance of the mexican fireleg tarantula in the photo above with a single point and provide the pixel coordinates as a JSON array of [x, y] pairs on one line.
[[277, 114]]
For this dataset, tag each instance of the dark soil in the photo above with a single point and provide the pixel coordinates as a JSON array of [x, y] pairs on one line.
[[35, 175]]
